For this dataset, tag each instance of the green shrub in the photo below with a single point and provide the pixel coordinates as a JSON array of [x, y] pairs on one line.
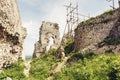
[[92, 20], [109, 51], [109, 11], [41, 67], [69, 46], [111, 41], [87, 22], [15, 71], [99, 67]]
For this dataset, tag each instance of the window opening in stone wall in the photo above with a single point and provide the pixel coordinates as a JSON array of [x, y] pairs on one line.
[[51, 42]]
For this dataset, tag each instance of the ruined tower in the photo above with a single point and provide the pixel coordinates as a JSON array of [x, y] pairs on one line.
[[47, 30]]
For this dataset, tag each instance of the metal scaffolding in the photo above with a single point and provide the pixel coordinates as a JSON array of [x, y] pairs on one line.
[[73, 18], [113, 3]]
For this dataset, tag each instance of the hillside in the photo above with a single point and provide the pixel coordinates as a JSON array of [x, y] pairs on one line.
[[93, 53], [85, 65]]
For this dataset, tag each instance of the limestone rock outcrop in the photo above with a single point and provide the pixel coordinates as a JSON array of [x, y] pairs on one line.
[[47, 30], [99, 34], [12, 34]]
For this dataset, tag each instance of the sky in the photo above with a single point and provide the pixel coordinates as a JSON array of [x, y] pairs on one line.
[[33, 12]]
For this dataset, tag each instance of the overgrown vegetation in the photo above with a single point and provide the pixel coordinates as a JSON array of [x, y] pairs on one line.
[[87, 22], [41, 67], [80, 66], [111, 41], [111, 11], [68, 46], [93, 20], [15, 71], [91, 67], [79, 56]]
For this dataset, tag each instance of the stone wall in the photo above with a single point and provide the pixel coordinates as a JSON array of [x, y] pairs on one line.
[[12, 34], [91, 34], [47, 30]]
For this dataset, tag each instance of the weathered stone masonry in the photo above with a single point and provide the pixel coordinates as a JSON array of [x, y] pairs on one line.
[[47, 31], [91, 35], [12, 34]]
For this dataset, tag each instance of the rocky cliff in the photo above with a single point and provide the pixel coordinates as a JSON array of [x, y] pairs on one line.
[[100, 34], [12, 34], [47, 30]]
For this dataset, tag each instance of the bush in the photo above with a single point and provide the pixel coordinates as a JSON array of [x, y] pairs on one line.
[[41, 67], [87, 22], [111, 41], [69, 46], [109, 11], [100, 67], [75, 57], [15, 71]]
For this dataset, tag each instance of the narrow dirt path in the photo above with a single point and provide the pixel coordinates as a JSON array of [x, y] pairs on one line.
[[58, 68], [27, 68]]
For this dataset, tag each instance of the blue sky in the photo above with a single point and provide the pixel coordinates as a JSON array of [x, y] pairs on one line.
[[33, 12]]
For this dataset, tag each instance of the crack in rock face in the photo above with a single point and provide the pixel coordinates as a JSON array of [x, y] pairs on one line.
[[48, 30], [12, 34]]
